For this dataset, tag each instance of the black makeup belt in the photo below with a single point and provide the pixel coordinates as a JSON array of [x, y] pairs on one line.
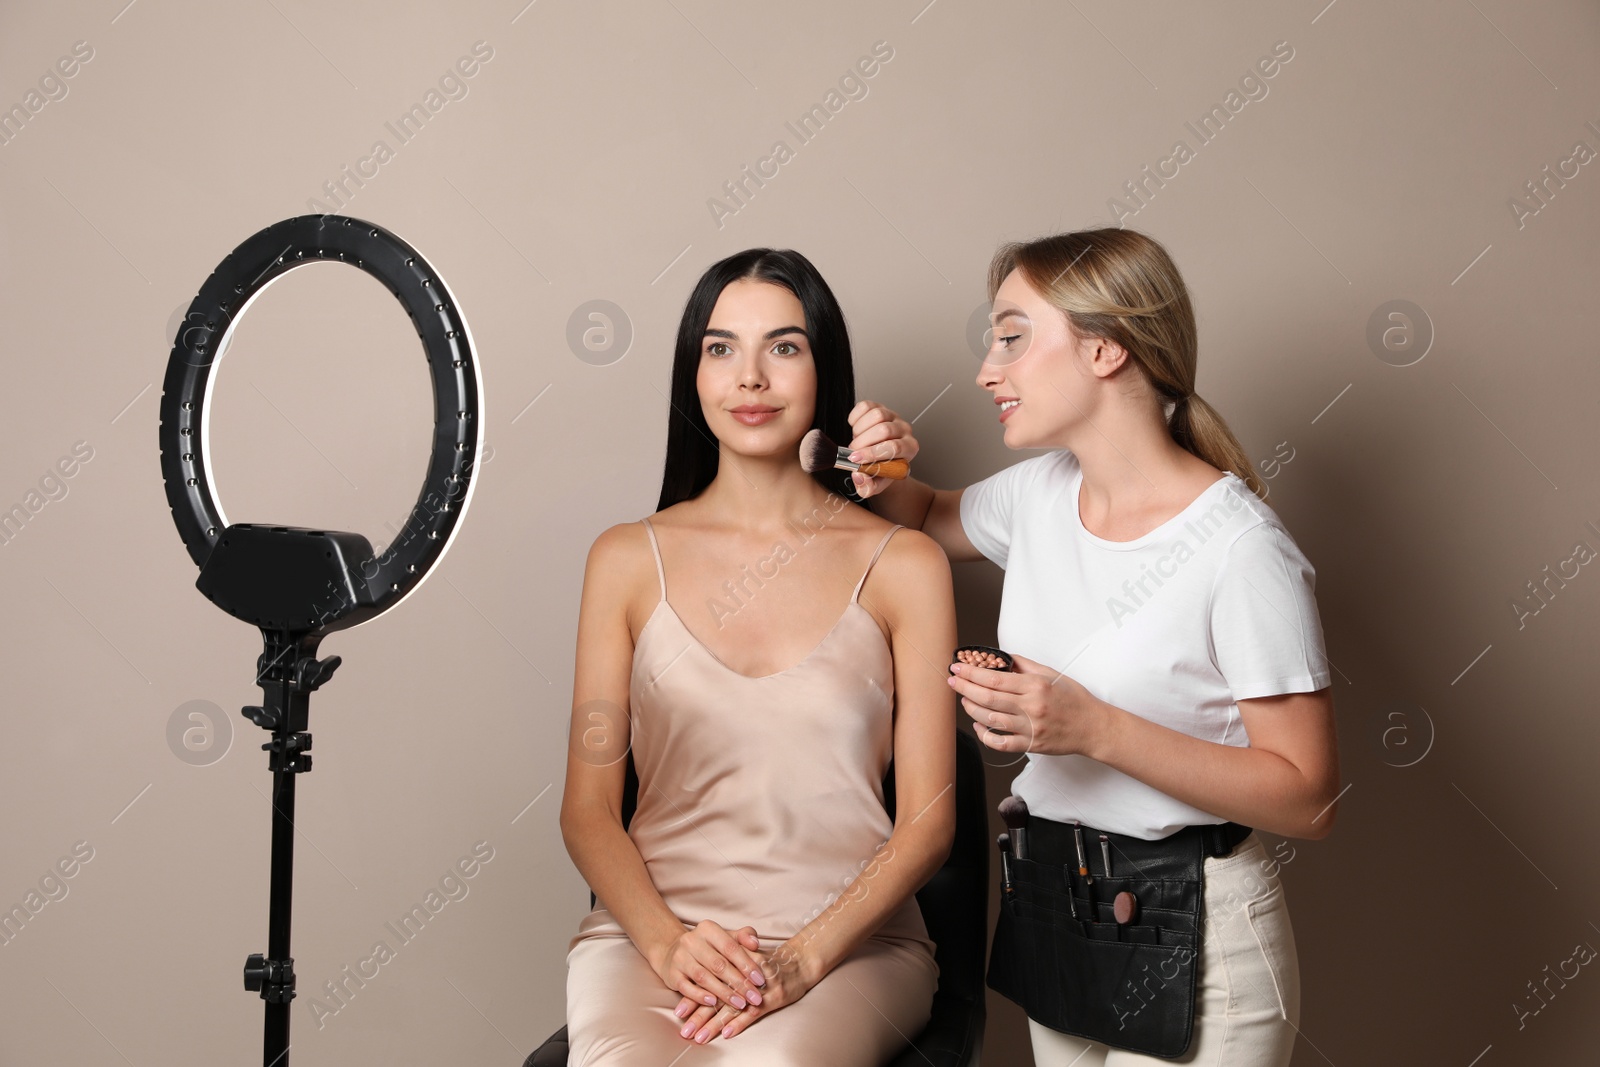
[[1060, 953]]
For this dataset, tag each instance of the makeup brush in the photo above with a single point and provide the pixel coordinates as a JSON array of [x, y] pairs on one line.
[[1014, 810], [1004, 841], [819, 453], [1077, 843]]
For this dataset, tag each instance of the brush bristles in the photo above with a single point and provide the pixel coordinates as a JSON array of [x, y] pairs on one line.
[[818, 452], [1014, 812]]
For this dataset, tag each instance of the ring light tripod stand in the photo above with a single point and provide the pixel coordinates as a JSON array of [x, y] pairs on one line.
[[299, 585]]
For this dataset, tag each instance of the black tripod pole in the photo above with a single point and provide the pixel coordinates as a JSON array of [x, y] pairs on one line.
[[288, 673]]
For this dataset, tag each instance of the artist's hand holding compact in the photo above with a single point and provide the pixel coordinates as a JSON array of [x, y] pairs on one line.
[[1033, 708], [784, 982]]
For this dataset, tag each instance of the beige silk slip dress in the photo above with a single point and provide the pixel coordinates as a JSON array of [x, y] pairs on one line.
[[760, 799]]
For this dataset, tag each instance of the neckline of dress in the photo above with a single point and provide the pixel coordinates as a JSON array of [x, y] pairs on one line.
[[663, 602]]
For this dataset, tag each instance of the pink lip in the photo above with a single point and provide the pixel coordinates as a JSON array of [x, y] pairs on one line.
[[754, 414], [1005, 413]]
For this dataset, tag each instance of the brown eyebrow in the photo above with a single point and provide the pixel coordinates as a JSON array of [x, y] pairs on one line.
[[772, 335]]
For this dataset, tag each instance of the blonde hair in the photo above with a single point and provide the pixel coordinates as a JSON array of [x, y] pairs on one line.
[[1121, 285]]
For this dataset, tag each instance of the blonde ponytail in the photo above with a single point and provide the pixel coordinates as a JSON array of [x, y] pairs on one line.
[[1122, 285]]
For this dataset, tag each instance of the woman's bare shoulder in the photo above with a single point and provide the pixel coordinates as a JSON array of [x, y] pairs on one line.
[[620, 575], [914, 555], [616, 543], [619, 559], [911, 573]]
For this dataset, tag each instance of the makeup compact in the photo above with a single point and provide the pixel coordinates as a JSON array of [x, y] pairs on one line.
[[984, 656]]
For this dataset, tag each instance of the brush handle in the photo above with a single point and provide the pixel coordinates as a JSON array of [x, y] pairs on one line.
[[889, 468]]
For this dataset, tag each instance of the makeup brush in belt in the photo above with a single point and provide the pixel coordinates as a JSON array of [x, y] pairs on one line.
[[819, 453], [1077, 844], [1014, 810]]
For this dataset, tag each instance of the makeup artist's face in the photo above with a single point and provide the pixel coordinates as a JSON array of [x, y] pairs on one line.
[[1037, 360], [757, 381]]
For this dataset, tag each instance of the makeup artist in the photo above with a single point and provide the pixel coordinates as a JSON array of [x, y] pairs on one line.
[[1171, 689]]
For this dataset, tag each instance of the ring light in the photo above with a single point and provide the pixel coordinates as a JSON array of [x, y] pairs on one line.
[[270, 575], [299, 584]]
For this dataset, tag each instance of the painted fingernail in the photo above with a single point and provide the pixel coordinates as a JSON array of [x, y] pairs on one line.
[[682, 1011], [737, 1001], [711, 1001], [703, 1036], [727, 1031], [754, 998], [856, 457], [688, 1029], [955, 668], [758, 978]]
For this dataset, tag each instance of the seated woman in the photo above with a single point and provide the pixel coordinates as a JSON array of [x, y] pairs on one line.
[[758, 908]]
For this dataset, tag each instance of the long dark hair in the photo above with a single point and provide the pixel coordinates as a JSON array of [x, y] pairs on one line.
[[692, 455]]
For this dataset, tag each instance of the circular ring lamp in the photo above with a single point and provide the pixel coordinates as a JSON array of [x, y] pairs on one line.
[[293, 579], [298, 584]]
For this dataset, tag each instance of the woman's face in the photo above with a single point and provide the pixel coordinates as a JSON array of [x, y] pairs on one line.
[[757, 381], [1035, 368]]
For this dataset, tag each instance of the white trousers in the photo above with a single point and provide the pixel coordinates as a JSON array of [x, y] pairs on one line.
[[1247, 1009]]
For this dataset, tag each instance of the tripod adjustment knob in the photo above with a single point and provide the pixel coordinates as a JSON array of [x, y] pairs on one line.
[[314, 672], [255, 972], [260, 716], [273, 979], [290, 752]]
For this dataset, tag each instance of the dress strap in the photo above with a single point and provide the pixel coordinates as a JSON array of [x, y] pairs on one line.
[[661, 574], [874, 559]]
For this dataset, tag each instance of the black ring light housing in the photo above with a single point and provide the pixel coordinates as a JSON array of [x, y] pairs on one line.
[[291, 578], [299, 584]]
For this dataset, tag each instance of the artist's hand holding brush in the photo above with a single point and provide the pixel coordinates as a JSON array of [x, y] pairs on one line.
[[819, 452], [880, 435]]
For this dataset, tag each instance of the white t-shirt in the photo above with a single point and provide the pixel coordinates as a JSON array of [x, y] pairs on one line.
[[1213, 606]]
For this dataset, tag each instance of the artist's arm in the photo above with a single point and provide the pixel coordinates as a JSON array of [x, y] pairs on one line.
[[911, 587], [881, 434], [689, 961], [1286, 781]]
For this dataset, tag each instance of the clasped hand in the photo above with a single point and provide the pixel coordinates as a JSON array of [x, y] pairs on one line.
[[727, 980]]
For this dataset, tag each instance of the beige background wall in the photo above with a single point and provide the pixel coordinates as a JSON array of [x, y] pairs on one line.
[[577, 165]]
